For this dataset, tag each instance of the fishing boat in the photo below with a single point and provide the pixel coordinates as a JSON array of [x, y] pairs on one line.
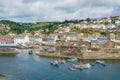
[[100, 62], [61, 61], [54, 63], [76, 66], [72, 60], [82, 66], [85, 66], [30, 52]]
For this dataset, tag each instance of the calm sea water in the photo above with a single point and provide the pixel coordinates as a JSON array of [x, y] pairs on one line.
[[32, 67]]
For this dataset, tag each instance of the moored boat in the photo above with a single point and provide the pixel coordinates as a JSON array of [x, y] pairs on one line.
[[76, 66], [30, 52], [54, 63], [61, 61], [85, 66], [81, 66], [72, 60], [100, 62]]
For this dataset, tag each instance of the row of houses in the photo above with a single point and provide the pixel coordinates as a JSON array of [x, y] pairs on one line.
[[95, 26], [98, 23], [53, 38], [66, 29]]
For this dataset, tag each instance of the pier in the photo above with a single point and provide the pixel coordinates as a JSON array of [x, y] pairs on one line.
[[9, 51], [84, 55]]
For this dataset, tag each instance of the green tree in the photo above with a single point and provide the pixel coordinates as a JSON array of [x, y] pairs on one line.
[[103, 33], [88, 19], [106, 23]]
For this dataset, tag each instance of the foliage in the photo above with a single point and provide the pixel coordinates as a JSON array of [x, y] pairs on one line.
[[32, 32], [106, 23], [103, 33], [87, 31], [14, 27], [3, 32], [72, 21], [77, 30], [2, 76], [88, 19], [57, 40], [112, 20], [50, 27], [47, 27]]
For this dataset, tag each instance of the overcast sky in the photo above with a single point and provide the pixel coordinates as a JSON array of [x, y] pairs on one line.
[[57, 10]]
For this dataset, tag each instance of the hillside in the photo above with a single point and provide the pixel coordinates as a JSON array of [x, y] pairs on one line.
[[15, 27], [45, 27], [77, 26]]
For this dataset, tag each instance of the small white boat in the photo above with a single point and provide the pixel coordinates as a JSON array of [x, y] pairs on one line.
[[76, 66], [62, 61], [72, 60], [99, 61], [81, 66], [54, 63], [85, 66]]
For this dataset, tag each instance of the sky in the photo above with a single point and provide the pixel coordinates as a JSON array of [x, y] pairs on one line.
[[57, 10]]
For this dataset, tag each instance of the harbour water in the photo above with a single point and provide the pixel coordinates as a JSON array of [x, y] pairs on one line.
[[31, 67]]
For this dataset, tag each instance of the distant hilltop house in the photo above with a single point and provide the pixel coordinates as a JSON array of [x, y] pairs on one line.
[[21, 39], [117, 22]]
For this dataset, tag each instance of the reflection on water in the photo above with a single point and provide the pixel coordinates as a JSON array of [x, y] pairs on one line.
[[31, 67]]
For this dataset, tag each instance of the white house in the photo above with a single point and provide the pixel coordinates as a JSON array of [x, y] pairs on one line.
[[117, 47], [38, 40], [21, 39], [110, 26], [117, 22], [48, 41], [112, 36], [67, 29]]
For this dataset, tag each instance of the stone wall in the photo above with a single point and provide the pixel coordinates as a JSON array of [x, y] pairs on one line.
[[8, 51], [101, 55]]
